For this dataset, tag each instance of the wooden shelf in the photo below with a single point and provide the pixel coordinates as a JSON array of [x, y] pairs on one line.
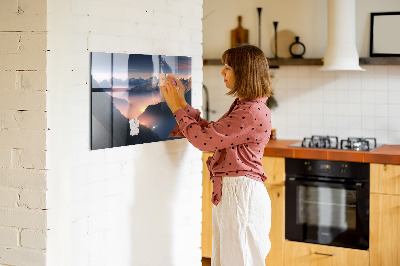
[[212, 62], [273, 63], [380, 61], [295, 62]]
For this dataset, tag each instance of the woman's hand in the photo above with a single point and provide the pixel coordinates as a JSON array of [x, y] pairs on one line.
[[181, 90], [173, 91]]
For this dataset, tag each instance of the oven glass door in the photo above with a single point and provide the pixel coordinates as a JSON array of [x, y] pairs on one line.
[[327, 213], [326, 207]]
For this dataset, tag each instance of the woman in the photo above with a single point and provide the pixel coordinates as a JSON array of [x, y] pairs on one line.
[[242, 208]]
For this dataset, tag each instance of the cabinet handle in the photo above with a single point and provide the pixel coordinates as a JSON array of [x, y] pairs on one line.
[[324, 254]]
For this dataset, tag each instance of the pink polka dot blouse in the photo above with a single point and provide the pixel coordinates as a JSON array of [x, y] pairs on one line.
[[238, 139]]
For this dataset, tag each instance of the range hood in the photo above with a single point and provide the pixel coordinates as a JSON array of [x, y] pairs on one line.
[[341, 51]]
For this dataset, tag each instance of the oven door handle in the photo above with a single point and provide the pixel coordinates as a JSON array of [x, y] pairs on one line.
[[357, 185]]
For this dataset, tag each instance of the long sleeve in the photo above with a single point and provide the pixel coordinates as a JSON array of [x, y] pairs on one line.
[[193, 113], [231, 130]]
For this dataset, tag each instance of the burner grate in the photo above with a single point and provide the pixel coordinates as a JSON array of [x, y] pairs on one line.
[[327, 142], [358, 144], [332, 142]]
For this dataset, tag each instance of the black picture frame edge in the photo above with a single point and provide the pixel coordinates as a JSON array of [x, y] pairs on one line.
[[371, 35]]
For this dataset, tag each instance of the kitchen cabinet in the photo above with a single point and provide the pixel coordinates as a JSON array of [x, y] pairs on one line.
[[384, 245], [385, 230], [384, 221], [305, 254], [274, 168], [277, 233], [206, 225], [385, 215], [385, 178]]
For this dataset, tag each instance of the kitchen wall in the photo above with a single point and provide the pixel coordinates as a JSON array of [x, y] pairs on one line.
[[342, 103], [23, 120], [312, 102], [346, 104]]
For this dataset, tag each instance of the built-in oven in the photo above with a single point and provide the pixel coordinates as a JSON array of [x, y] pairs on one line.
[[327, 202]]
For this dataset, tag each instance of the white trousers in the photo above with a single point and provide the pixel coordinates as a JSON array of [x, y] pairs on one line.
[[241, 223]]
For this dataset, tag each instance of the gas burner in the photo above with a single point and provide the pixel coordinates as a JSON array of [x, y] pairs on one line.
[[332, 142], [327, 142], [358, 144]]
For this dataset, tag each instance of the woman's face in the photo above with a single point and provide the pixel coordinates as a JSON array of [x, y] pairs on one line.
[[229, 76]]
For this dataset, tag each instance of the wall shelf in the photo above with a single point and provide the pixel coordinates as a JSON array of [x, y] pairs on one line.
[[380, 61], [274, 63]]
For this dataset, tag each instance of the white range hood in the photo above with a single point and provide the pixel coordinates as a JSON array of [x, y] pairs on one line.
[[341, 51]]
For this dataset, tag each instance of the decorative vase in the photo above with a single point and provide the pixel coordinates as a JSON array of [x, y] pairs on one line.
[[297, 49]]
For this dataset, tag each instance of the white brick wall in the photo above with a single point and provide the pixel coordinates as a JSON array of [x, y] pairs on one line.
[[23, 132], [8, 197], [136, 205], [33, 239], [11, 256], [9, 237]]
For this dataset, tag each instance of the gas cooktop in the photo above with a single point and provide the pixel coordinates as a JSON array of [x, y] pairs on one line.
[[332, 142]]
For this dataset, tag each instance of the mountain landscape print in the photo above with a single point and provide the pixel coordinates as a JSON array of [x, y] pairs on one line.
[[127, 105]]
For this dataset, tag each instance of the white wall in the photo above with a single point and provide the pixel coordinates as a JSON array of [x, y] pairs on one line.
[[306, 19], [311, 102], [135, 205], [343, 104], [23, 133]]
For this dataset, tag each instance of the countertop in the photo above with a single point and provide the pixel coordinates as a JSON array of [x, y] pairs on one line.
[[389, 154]]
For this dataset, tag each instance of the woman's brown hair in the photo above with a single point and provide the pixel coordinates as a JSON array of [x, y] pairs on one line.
[[250, 66]]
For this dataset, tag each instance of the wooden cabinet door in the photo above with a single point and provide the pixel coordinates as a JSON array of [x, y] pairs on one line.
[[304, 254], [274, 168], [277, 233], [206, 226], [385, 178], [384, 236]]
